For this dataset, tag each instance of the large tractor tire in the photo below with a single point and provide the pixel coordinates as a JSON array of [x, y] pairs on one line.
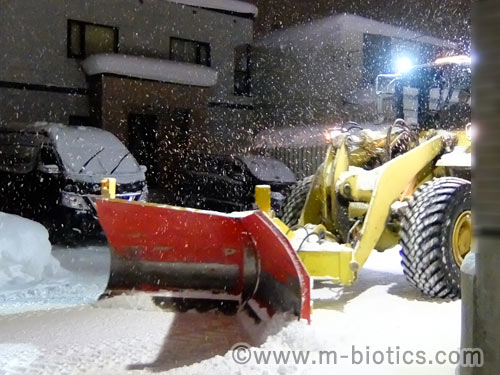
[[295, 202], [436, 235]]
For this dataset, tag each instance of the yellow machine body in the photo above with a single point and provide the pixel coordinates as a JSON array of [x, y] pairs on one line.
[[352, 230]]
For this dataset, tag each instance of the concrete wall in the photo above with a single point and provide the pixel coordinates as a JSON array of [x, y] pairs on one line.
[[33, 105], [480, 272], [33, 41]]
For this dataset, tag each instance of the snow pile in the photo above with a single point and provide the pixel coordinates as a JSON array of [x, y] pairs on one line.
[[25, 252], [80, 280]]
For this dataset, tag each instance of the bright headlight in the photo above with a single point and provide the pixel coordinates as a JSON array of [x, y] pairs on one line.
[[74, 201], [403, 65], [331, 134]]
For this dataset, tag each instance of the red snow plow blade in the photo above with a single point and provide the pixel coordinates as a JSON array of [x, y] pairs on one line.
[[204, 255]]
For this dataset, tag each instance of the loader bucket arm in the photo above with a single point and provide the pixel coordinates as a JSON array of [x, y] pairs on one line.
[[393, 178], [242, 257]]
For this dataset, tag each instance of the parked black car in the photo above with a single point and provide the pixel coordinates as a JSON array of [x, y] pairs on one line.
[[51, 172], [227, 183]]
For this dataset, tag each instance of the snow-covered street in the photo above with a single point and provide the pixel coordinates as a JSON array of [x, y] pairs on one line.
[[58, 327]]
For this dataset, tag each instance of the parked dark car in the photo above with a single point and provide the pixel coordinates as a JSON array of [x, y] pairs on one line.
[[227, 183], [51, 173]]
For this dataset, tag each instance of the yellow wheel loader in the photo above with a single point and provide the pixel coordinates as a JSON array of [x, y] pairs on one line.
[[409, 185]]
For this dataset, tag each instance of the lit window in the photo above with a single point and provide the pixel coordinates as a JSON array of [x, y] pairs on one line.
[[85, 39]]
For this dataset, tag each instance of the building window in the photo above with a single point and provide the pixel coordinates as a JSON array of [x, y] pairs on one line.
[[242, 79], [189, 51], [81, 121], [85, 39], [377, 51]]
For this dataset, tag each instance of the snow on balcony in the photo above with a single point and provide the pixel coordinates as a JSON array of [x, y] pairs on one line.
[[152, 69], [226, 5]]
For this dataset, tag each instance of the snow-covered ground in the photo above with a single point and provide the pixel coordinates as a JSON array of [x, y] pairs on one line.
[[80, 280], [57, 327]]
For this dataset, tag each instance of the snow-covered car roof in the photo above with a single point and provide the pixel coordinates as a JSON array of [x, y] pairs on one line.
[[268, 169], [78, 144], [264, 168]]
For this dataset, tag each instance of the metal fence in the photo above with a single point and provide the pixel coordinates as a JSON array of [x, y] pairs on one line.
[[302, 160]]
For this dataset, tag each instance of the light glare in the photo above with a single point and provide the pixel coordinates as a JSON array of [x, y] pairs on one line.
[[403, 64]]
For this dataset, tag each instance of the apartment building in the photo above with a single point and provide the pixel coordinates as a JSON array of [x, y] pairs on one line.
[[324, 72], [163, 75]]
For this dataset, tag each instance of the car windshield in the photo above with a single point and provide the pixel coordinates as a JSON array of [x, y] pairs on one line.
[[92, 151], [266, 169]]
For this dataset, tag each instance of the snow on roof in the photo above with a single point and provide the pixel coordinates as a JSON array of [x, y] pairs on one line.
[[149, 68], [227, 5], [329, 31]]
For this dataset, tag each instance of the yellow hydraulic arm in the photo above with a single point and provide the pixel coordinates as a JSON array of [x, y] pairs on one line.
[[342, 262], [393, 178]]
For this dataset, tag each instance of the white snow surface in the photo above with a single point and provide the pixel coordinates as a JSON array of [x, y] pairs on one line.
[[150, 68], [132, 335], [460, 157], [228, 5], [82, 284], [25, 252]]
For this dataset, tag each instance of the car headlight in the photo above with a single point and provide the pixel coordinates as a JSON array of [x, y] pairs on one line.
[[331, 134], [74, 201]]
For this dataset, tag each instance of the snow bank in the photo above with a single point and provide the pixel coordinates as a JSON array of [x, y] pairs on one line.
[[25, 252], [227, 5], [80, 280], [153, 69]]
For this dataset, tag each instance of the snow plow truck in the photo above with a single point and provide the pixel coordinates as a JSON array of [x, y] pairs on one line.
[[407, 185]]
